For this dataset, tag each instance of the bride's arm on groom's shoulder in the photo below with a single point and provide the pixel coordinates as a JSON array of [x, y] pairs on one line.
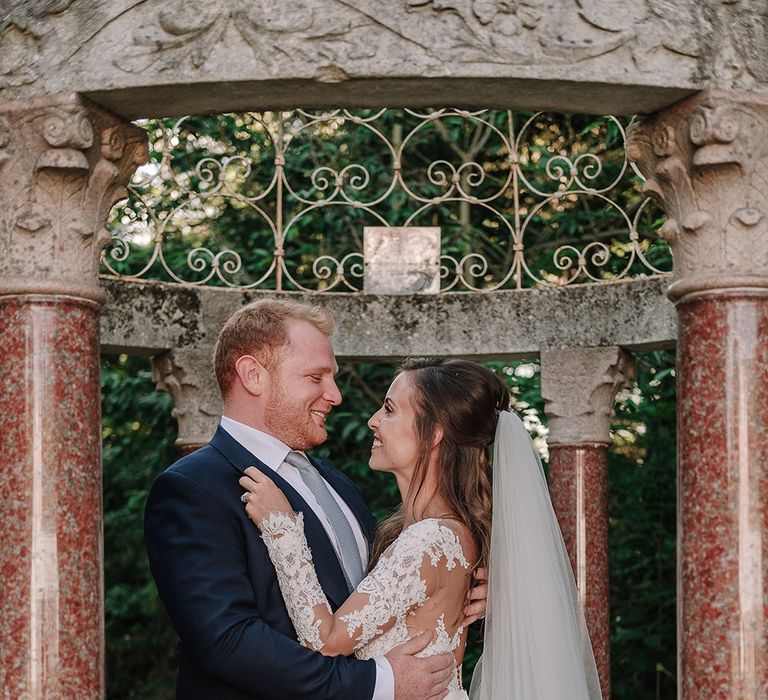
[[316, 625], [413, 567]]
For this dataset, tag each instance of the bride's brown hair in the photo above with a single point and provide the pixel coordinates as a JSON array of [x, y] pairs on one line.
[[464, 399]]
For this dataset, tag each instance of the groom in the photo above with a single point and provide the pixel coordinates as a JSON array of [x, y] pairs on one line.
[[275, 368]]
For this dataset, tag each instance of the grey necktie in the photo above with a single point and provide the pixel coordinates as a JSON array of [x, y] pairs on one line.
[[350, 554]]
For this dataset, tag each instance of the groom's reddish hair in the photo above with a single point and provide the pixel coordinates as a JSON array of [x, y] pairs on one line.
[[261, 329]]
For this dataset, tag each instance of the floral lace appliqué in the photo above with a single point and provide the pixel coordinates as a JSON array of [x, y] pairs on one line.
[[393, 589], [288, 549], [395, 585]]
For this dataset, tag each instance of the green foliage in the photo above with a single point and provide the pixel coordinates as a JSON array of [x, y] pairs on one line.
[[642, 510], [137, 434]]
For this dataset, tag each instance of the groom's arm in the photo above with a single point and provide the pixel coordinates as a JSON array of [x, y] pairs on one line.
[[204, 585]]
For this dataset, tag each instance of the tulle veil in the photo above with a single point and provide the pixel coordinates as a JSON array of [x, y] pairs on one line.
[[536, 645]]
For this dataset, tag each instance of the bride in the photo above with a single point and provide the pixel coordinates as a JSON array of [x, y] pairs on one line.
[[460, 510]]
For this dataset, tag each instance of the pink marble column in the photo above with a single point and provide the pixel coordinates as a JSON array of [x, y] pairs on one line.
[[579, 487], [579, 387], [187, 375], [723, 505], [63, 162], [706, 161], [51, 549]]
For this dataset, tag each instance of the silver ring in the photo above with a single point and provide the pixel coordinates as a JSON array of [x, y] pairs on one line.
[[244, 497]]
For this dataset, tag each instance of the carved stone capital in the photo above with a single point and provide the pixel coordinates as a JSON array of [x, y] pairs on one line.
[[63, 163], [187, 375], [579, 388], [706, 162]]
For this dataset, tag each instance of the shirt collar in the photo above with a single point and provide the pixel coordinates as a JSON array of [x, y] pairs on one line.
[[266, 447]]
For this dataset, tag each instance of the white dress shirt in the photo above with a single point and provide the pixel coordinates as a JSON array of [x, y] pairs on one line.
[[272, 452]]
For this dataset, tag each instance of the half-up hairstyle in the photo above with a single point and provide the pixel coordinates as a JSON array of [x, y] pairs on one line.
[[464, 399]]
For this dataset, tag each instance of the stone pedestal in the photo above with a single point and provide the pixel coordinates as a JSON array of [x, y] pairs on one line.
[[63, 162], [187, 375], [579, 388], [706, 161]]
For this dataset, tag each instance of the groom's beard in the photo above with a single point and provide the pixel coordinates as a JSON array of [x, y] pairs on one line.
[[288, 418]]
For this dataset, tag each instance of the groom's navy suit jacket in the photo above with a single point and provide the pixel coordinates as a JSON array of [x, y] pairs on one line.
[[213, 573]]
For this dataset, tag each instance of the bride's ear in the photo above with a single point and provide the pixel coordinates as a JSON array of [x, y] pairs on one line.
[[437, 436]]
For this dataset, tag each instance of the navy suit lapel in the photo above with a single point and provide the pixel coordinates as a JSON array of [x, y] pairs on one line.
[[327, 565]]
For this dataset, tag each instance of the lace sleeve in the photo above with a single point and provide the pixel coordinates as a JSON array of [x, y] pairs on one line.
[[403, 578], [304, 599]]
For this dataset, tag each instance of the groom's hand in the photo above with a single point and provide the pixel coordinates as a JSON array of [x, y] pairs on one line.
[[420, 679]]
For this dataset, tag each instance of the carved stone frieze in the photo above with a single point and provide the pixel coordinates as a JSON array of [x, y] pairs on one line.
[[579, 387], [187, 375], [26, 34], [670, 49], [739, 61], [63, 163], [448, 31], [706, 162]]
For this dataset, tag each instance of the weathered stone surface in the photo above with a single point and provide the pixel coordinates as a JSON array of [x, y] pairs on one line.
[[147, 318], [706, 161], [182, 56], [579, 387], [187, 375], [63, 164]]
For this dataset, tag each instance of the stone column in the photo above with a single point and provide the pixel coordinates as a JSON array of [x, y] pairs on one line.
[[187, 375], [579, 388], [706, 161], [63, 163]]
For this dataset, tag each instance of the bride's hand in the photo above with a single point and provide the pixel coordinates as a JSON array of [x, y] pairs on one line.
[[477, 598], [261, 496]]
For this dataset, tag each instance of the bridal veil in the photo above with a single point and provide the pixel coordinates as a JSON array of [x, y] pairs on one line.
[[536, 644]]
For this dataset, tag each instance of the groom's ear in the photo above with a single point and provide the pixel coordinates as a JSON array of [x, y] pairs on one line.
[[252, 374]]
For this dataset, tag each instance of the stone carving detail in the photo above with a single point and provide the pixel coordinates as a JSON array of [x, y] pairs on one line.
[[24, 37], [187, 375], [468, 31], [678, 26], [477, 31], [745, 33], [579, 387], [63, 164], [52, 45], [187, 32], [706, 162]]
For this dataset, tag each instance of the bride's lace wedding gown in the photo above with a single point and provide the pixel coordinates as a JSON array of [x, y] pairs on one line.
[[418, 583]]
